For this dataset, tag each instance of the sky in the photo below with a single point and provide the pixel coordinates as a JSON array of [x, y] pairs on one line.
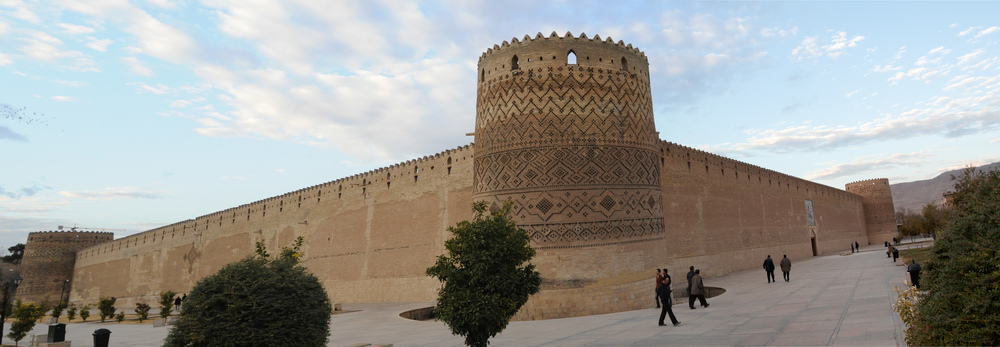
[[129, 115]]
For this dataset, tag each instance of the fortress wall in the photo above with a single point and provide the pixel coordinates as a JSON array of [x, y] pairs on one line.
[[879, 211], [48, 262], [723, 215], [379, 229]]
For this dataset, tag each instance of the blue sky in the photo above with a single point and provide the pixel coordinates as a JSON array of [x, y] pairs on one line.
[[136, 114]]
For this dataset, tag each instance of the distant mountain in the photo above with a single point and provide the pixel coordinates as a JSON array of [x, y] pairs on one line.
[[914, 195]]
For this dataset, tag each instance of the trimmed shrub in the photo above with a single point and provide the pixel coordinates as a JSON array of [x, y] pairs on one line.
[[257, 301]]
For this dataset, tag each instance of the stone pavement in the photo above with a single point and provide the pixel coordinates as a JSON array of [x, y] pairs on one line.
[[843, 299]]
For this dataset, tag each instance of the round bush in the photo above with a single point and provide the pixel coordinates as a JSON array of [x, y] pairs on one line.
[[255, 302]]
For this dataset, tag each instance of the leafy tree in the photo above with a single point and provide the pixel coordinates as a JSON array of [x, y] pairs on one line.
[[57, 310], [25, 315], [106, 307], [142, 309], [166, 303], [258, 301], [120, 316], [85, 312], [486, 275], [16, 253], [71, 312], [962, 303]]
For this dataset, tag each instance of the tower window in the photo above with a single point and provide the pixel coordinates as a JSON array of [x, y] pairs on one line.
[[624, 64], [571, 58], [513, 63]]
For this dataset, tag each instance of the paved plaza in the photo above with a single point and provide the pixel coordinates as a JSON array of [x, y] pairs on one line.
[[842, 299]]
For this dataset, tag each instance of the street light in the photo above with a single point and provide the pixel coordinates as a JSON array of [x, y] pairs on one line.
[[62, 303], [9, 286]]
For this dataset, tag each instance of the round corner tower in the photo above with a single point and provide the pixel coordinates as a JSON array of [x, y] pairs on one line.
[[564, 131], [880, 214], [49, 257]]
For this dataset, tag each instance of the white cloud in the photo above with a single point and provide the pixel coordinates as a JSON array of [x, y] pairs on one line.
[[137, 67], [850, 94], [948, 117], [23, 13], [158, 89], [967, 31], [60, 98], [968, 58], [867, 164], [813, 47], [4, 28], [4, 60], [98, 45], [72, 83], [886, 68], [921, 73], [74, 29], [114, 194], [988, 31], [180, 103], [939, 50], [155, 38]]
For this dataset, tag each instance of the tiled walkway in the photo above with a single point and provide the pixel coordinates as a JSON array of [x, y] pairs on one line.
[[842, 300]]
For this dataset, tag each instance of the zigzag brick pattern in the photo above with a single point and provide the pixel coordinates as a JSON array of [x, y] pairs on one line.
[[572, 146]]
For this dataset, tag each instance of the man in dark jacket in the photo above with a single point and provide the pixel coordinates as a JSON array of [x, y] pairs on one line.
[[914, 270], [690, 296], [769, 268], [786, 266], [664, 292], [698, 288], [659, 278]]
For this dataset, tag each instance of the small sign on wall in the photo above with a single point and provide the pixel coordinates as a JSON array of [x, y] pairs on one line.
[[809, 212]]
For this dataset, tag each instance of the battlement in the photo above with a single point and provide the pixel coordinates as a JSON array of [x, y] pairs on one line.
[[514, 42], [883, 181], [57, 235]]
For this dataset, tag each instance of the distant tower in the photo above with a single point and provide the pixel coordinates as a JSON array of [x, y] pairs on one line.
[[880, 215], [49, 257], [564, 130]]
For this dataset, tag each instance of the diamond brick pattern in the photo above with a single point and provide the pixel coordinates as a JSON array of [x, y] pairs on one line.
[[573, 147]]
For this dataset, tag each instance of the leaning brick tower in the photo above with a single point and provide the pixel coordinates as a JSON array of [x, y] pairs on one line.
[[880, 215], [573, 145], [49, 257]]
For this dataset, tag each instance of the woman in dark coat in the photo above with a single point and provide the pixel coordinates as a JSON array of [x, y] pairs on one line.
[[664, 292]]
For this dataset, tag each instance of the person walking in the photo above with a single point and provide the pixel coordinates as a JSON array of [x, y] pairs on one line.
[[659, 278], [690, 296], [914, 270], [177, 303], [852, 247], [698, 288], [769, 268], [786, 266], [895, 254], [857, 246], [664, 292]]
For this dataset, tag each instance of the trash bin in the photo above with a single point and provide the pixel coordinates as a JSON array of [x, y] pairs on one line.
[[101, 337], [57, 332]]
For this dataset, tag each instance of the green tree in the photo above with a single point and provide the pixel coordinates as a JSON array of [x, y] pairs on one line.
[[486, 275], [166, 303], [962, 303], [85, 312], [25, 315], [106, 307], [258, 301], [71, 312], [142, 310], [16, 253]]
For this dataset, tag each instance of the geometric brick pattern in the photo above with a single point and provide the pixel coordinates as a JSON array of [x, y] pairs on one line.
[[49, 258], [573, 146]]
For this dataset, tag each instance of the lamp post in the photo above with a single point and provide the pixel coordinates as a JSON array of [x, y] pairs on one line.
[[62, 303], [8, 287]]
